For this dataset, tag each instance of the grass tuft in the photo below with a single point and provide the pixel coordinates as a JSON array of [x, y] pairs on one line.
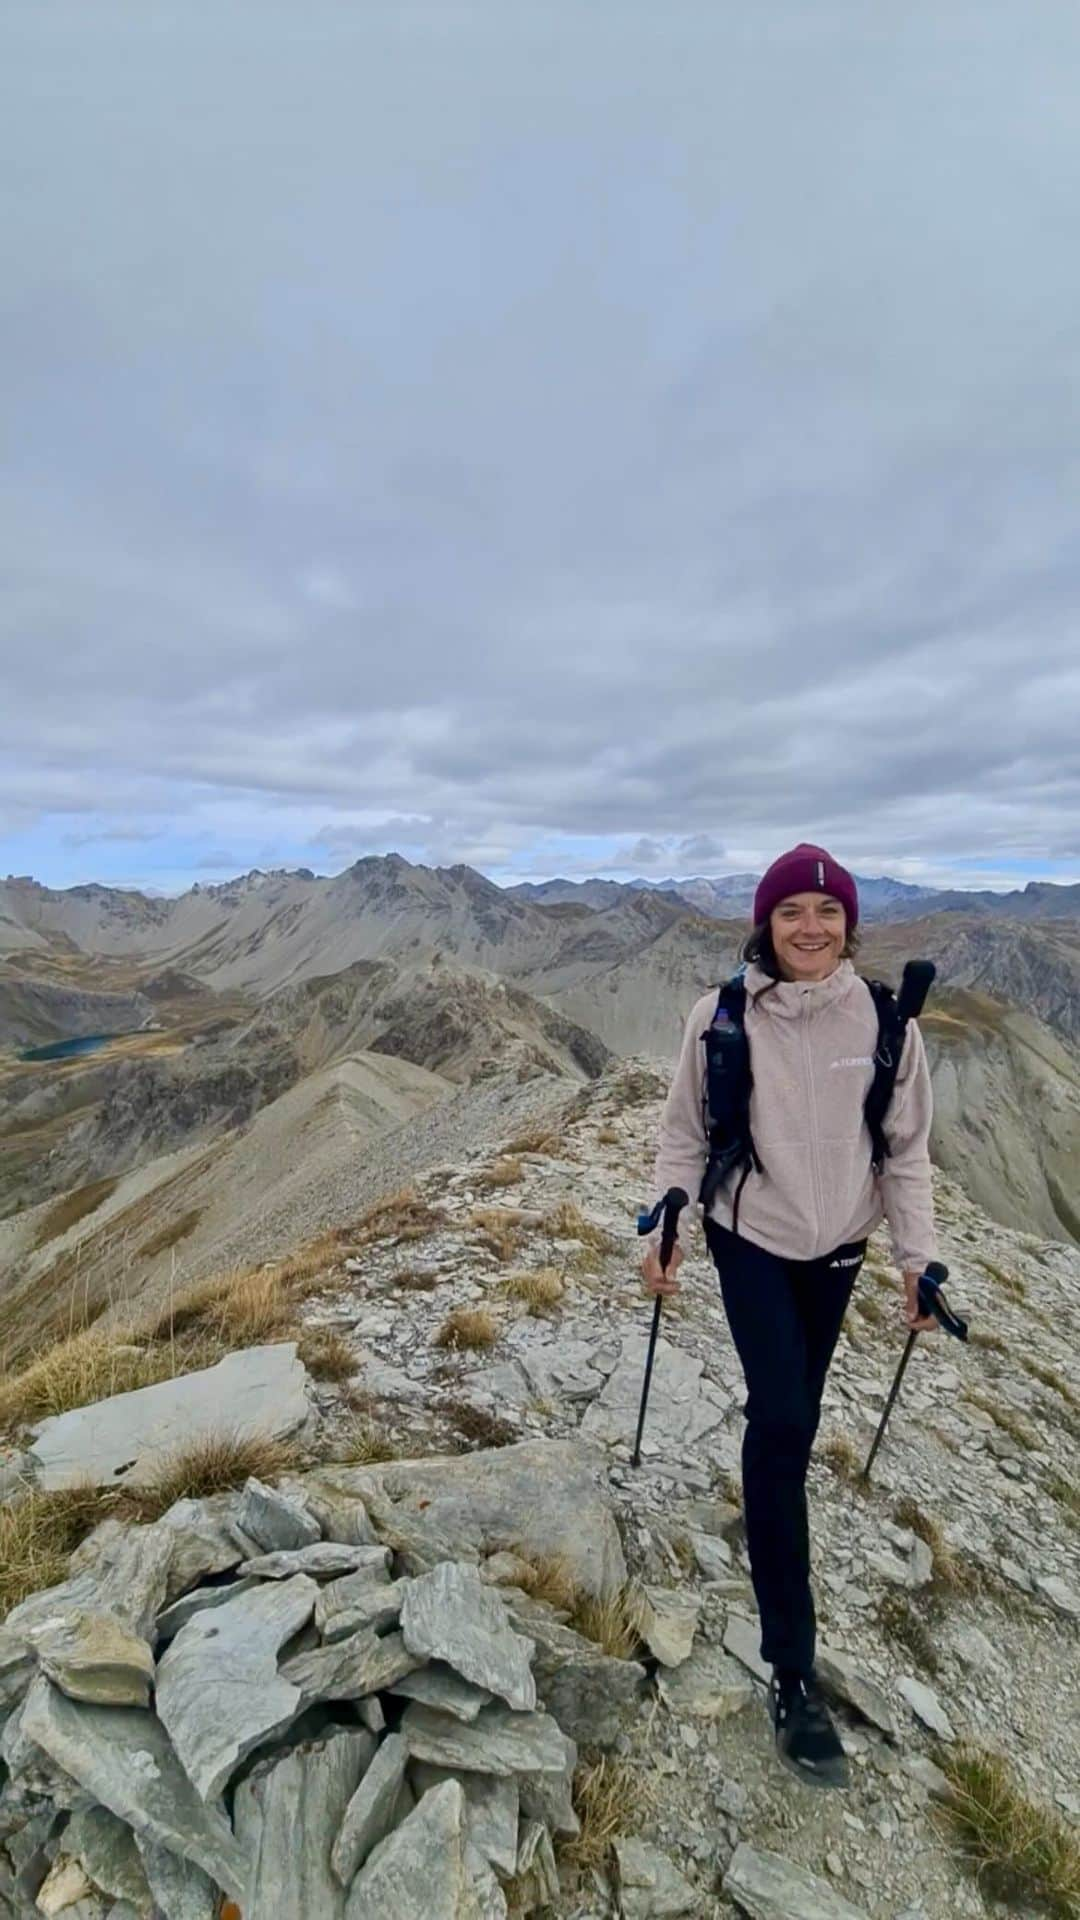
[[840, 1453], [1067, 1495], [1003, 1417], [326, 1354], [610, 1798], [1009, 1283], [361, 1444], [540, 1288], [467, 1327], [1022, 1851], [906, 1628], [208, 1466], [535, 1139], [506, 1172], [500, 1230], [38, 1533], [398, 1217], [477, 1425], [569, 1223], [91, 1366], [609, 1623]]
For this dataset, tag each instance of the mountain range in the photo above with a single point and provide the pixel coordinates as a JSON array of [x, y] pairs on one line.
[[280, 1042]]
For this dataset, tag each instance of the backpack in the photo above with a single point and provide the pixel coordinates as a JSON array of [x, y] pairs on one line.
[[727, 1081]]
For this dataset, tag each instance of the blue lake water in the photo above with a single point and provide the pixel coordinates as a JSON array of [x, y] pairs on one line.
[[69, 1049]]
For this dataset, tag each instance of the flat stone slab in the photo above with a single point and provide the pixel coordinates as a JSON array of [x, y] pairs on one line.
[[350, 1669], [450, 1615], [219, 1693], [840, 1675], [256, 1394], [371, 1812], [666, 1620], [421, 1870], [742, 1639], [499, 1741], [542, 1498], [708, 1686], [682, 1406], [440, 1687], [926, 1706], [588, 1692], [95, 1657], [123, 1759], [767, 1887], [288, 1813], [273, 1521], [650, 1885], [491, 1811], [327, 1559]]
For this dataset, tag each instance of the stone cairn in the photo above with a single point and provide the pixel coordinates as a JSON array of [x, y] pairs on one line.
[[278, 1705]]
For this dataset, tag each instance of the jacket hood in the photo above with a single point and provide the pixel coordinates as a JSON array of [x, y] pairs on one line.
[[788, 999]]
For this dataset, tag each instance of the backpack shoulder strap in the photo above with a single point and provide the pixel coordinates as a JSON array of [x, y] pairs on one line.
[[893, 1013], [725, 1088]]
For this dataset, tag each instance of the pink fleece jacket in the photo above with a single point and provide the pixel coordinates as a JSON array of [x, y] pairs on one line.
[[811, 1056]]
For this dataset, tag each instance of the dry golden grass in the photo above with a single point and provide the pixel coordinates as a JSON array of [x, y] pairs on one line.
[[839, 1452], [39, 1532], [870, 1309], [992, 1341], [71, 1208], [1067, 1495], [610, 1623], [569, 1223], [549, 1580], [480, 1428], [208, 1466], [906, 1628], [540, 1288], [1048, 1376], [171, 1235], [326, 1354], [362, 1444], [467, 1327], [1009, 1283], [417, 1280], [92, 1366], [535, 1139], [1003, 1417], [398, 1217], [501, 1230], [1021, 1851], [506, 1172], [610, 1798], [952, 1573]]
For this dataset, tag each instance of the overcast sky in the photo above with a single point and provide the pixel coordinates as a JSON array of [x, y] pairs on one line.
[[572, 437]]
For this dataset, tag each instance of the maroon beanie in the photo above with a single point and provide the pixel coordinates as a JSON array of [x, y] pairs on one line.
[[805, 869]]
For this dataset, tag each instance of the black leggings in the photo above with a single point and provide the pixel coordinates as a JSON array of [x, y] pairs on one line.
[[785, 1318]]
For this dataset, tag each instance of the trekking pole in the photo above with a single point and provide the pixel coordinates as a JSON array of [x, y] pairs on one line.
[[670, 1206], [931, 1300]]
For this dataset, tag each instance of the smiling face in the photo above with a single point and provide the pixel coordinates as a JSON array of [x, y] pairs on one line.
[[808, 932]]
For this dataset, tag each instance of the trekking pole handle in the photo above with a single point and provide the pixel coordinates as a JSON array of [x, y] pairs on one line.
[[670, 1207], [932, 1300]]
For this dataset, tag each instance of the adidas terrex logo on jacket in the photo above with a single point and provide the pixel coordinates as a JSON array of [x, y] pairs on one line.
[[815, 1188]]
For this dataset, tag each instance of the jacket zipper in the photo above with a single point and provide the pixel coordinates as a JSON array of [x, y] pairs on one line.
[[814, 1161]]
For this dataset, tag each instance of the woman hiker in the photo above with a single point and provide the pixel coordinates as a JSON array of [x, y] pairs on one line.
[[788, 1237]]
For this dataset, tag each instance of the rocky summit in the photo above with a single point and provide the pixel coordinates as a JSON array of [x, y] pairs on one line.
[[471, 1662]]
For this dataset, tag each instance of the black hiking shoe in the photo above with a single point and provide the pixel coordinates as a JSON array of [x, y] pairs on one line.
[[806, 1740]]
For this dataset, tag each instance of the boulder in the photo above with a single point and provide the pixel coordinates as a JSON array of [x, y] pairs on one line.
[[371, 1812], [219, 1693], [767, 1887], [326, 1559], [350, 1669], [650, 1885], [122, 1758], [258, 1393], [420, 1871], [450, 1615], [587, 1691], [840, 1676], [666, 1621], [499, 1741], [289, 1810], [491, 1811], [708, 1686], [274, 1522], [542, 1498]]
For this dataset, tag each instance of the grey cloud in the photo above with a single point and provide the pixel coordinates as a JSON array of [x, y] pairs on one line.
[[518, 428]]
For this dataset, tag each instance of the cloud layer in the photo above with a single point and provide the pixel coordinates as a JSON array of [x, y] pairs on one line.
[[546, 437]]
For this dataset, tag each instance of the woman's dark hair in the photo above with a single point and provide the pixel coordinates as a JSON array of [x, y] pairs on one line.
[[759, 948]]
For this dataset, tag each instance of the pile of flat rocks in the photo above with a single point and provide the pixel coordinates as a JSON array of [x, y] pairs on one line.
[[291, 1702]]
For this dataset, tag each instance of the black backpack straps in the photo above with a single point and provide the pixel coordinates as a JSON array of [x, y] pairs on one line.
[[726, 1085], [893, 1012]]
